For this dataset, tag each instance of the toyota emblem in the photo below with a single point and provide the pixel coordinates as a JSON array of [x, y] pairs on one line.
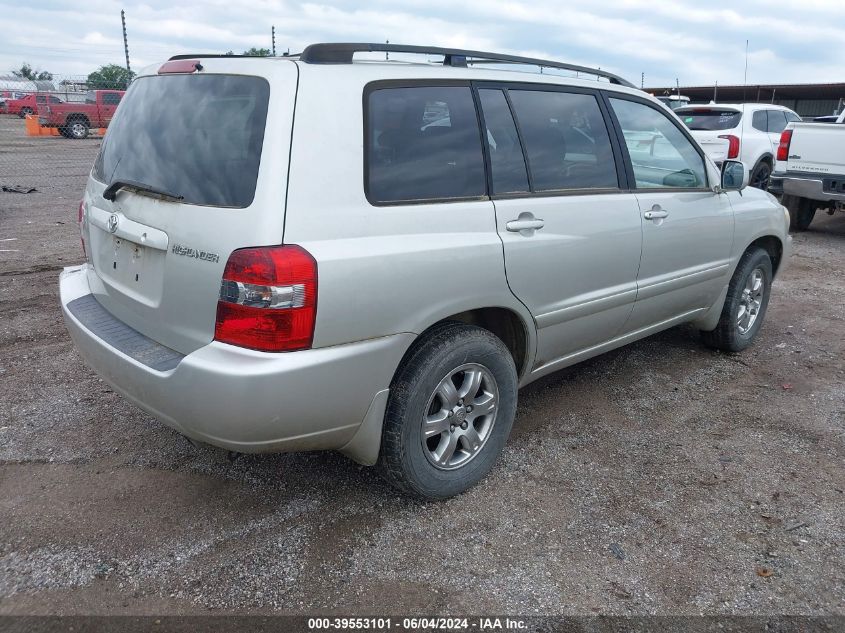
[[113, 223]]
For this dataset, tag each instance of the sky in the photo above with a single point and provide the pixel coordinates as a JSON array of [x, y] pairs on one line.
[[696, 42]]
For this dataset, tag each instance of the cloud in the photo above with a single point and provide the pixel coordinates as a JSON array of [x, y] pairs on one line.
[[695, 42]]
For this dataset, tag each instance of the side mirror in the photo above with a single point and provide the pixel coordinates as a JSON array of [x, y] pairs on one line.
[[734, 176]]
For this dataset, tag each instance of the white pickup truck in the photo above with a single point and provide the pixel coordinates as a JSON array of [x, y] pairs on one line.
[[810, 170]]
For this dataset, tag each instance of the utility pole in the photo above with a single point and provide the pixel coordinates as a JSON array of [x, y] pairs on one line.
[[642, 80], [125, 46], [273, 35]]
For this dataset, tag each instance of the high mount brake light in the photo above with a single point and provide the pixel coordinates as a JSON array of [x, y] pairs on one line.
[[733, 145], [268, 299], [179, 66], [783, 146]]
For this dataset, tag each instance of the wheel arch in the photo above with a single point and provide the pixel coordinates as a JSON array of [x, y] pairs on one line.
[[507, 324], [78, 116], [773, 245], [767, 157]]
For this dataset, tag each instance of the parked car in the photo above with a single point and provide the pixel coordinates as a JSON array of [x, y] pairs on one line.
[[674, 101], [75, 120], [810, 170], [372, 282], [29, 104], [747, 132]]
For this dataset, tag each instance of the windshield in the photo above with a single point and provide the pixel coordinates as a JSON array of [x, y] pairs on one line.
[[710, 119], [195, 136]]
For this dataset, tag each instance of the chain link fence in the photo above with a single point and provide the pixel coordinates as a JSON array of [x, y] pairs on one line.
[[51, 130]]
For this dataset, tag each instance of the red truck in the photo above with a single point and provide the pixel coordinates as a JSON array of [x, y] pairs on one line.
[[29, 104], [75, 120]]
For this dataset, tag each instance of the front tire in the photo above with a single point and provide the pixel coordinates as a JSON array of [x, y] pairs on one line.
[[745, 304], [801, 212], [24, 111], [451, 408]]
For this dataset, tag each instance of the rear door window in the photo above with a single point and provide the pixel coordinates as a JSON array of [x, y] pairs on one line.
[[777, 121], [196, 136], [111, 98], [423, 143], [506, 160], [566, 140], [707, 119]]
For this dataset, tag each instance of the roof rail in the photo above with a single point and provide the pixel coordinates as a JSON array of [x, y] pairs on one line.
[[343, 53], [205, 56]]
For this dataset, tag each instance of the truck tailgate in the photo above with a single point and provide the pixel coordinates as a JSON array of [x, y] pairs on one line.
[[817, 148]]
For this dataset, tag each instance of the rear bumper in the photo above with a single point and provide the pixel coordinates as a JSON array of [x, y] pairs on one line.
[[244, 400], [811, 186]]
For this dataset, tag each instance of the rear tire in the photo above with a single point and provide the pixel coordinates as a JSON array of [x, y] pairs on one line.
[[451, 409], [760, 176], [24, 111], [801, 212], [745, 304], [78, 128]]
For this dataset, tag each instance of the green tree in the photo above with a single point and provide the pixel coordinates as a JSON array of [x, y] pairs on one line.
[[110, 77], [257, 52], [28, 72]]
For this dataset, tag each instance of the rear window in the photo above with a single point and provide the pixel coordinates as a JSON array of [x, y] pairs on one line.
[[111, 98], [423, 143], [196, 136], [710, 119]]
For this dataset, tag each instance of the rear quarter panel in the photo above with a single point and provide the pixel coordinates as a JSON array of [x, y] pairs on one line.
[[382, 269]]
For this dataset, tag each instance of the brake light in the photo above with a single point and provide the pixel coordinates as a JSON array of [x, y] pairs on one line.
[[179, 66], [733, 145], [783, 146], [268, 299], [80, 219]]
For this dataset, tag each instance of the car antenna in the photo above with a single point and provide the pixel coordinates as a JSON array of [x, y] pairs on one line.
[[743, 121]]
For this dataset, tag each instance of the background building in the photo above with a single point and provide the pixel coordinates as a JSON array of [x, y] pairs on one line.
[[808, 100]]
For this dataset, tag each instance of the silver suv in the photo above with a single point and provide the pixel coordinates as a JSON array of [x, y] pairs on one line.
[[371, 256]]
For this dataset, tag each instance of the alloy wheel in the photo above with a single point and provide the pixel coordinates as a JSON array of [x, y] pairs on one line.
[[460, 416], [750, 301]]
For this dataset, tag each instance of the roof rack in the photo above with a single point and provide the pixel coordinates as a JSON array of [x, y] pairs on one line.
[[343, 53]]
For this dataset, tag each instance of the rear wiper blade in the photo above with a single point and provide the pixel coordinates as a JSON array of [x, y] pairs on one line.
[[111, 191]]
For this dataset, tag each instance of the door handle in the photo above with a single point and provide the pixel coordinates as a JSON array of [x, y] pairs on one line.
[[656, 213], [526, 222]]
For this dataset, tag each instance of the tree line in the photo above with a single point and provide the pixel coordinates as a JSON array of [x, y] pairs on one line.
[[110, 76]]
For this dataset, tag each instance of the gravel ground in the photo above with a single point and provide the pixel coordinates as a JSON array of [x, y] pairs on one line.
[[662, 478]]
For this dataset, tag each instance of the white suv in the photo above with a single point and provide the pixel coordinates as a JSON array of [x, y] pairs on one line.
[[311, 252], [747, 132]]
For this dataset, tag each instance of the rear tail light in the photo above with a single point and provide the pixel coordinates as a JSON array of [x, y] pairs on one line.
[[80, 220], [268, 299], [783, 146], [733, 145]]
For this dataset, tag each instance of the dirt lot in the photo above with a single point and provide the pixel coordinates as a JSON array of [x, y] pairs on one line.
[[662, 478]]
